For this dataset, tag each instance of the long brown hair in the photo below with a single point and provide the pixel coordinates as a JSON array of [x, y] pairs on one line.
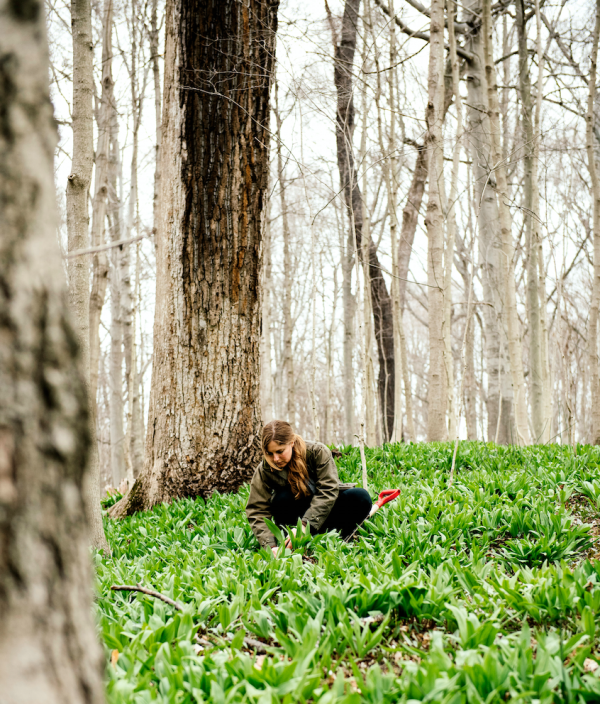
[[281, 432]]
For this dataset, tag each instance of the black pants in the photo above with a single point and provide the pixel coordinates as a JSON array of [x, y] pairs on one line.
[[351, 508]]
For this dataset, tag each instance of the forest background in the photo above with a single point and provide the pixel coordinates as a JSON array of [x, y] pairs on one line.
[[322, 368]]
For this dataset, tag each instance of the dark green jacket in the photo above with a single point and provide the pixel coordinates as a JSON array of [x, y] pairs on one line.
[[266, 480]]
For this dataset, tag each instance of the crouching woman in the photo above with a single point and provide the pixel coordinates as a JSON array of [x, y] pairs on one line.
[[300, 480]]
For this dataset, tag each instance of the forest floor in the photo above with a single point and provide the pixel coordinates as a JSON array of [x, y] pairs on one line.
[[481, 592]]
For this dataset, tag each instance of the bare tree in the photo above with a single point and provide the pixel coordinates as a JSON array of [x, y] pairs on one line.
[[48, 647], [595, 183], [204, 417], [380, 297], [437, 380], [77, 226]]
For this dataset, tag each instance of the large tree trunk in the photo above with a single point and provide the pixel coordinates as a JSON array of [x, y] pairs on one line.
[[77, 229], [380, 297], [48, 648], [499, 393], [204, 417]]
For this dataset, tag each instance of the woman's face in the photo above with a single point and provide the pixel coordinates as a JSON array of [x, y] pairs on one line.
[[279, 455]]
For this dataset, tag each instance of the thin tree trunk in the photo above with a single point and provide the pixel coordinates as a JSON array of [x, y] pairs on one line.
[[371, 415], [453, 416], [434, 221], [349, 308], [154, 57], [266, 380], [533, 303], [117, 408], [77, 228], [544, 331], [595, 192], [490, 254], [137, 418], [390, 168], [204, 417], [510, 309], [48, 647], [100, 259], [288, 274], [380, 298]]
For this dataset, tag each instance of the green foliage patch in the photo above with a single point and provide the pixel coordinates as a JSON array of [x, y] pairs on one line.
[[478, 592]]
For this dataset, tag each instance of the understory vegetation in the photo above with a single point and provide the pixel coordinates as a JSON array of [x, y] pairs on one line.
[[483, 591]]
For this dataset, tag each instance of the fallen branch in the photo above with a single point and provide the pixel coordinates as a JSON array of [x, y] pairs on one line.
[[248, 642], [150, 592]]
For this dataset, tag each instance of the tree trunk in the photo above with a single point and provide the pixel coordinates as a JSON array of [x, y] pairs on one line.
[[380, 297], [154, 56], [510, 310], [204, 417], [138, 431], [391, 173], [538, 421], [48, 648], [349, 307], [117, 407], [266, 381], [100, 259], [288, 276], [595, 188], [77, 228], [434, 221], [499, 424]]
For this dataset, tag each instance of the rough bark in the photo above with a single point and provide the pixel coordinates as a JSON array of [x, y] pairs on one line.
[[204, 416], [380, 297], [48, 648], [78, 186], [522, 436], [595, 189], [434, 222], [499, 393]]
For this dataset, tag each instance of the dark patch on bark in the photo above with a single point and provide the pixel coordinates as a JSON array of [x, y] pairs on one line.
[[25, 10]]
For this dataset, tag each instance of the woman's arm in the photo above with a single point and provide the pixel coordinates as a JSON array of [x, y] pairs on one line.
[[258, 508], [327, 488]]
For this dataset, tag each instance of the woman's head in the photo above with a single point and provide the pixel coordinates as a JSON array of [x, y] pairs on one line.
[[282, 448]]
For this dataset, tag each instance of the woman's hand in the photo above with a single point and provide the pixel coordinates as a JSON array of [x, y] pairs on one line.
[[274, 549], [288, 542]]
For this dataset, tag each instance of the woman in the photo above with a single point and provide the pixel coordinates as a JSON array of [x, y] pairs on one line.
[[300, 480]]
